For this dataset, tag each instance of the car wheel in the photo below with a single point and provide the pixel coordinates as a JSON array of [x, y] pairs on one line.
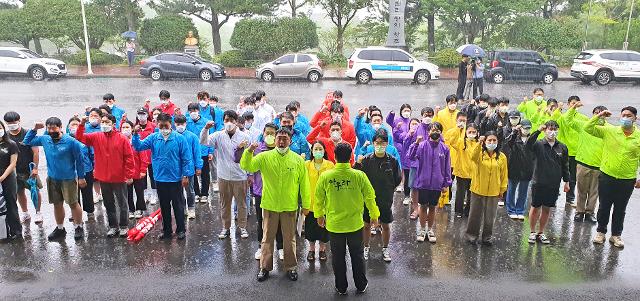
[[206, 75], [267, 76], [38, 73], [314, 76], [603, 77], [155, 74], [363, 77], [498, 78], [547, 78], [422, 77]]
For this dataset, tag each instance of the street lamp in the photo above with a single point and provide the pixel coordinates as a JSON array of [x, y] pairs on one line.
[[86, 38], [625, 45]]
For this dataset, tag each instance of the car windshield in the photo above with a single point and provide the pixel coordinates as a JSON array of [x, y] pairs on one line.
[[31, 54], [584, 56]]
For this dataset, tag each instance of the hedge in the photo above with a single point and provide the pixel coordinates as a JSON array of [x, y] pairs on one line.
[[446, 58], [165, 33]]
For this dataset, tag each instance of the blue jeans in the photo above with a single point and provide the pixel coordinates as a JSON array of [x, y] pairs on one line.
[[191, 194], [517, 202], [131, 55]]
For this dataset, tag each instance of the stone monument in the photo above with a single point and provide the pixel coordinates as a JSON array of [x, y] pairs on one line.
[[191, 44], [395, 37]]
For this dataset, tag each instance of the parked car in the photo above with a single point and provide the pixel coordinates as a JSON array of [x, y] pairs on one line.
[[370, 63], [518, 65], [603, 66], [180, 65], [293, 65], [22, 61]]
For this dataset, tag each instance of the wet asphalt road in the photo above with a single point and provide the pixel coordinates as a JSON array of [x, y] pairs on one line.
[[203, 267]]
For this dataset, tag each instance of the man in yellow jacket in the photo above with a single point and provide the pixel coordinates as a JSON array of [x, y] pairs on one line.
[[341, 194], [284, 178]]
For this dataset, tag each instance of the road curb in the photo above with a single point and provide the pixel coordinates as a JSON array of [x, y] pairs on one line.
[[251, 77]]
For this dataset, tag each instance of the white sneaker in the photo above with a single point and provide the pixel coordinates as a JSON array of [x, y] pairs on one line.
[[431, 236], [38, 219], [366, 253], [138, 214], [521, 217], [373, 230], [513, 216], [500, 203], [224, 234], [24, 216], [599, 239], [215, 187], [533, 237], [616, 241], [386, 256], [258, 254], [153, 199], [421, 235], [191, 213], [244, 233], [281, 254], [406, 201], [399, 189], [132, 215], [124, 232]]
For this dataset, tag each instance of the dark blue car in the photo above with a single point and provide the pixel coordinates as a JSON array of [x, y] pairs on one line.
[[180, 65]]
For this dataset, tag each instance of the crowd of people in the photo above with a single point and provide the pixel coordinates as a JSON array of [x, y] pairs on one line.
[[335, 173]]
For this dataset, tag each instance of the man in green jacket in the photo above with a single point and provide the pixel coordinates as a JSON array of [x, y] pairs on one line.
[[341, 194], [531, 107], [569, 136], [284, 178], [619, 171], [588, 157]]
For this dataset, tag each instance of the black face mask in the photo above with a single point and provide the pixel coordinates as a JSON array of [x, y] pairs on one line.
[[54, 135], [434, 136]]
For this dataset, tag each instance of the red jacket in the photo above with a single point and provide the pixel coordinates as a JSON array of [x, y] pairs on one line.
[[114, 162], [147, 130], [348, 131], [330, 146], [169, 108], [141, 162]]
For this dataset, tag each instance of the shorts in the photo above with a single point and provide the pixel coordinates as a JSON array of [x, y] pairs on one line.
[[429, 197], [60, 191], [412, 176], [386, 214], [542, 195], [21, 179], [312, 231]]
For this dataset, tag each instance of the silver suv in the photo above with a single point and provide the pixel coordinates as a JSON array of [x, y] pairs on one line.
[[293, 65]]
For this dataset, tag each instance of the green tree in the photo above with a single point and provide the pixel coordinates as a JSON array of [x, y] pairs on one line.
[[267, 38], [295, 5], [216, 12], [341, 13], [545, 34], [165, 33]]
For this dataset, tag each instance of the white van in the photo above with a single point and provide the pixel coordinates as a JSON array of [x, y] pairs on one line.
[[22, 61], [370, 63]]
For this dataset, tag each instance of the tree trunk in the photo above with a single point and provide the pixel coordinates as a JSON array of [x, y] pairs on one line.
[[340, 40], [37, 44], [431, 32], [215, 34], [292, 5]]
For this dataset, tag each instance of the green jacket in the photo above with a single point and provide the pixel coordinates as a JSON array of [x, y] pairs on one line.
[[531, 109], [341, 194], [589, 150], [622, 152], [567, 134], [284, 178]]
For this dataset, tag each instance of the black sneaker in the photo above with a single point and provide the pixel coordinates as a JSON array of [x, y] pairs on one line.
[[263, 275], [57, 234], [341, 293], [181, 235], [79, 234], [362, 291], [579, 217], [164, 236], [589, 218], [292, 275]]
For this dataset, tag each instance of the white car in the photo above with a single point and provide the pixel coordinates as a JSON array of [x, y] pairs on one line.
[[370, 63], [22, 61], [603, 66]]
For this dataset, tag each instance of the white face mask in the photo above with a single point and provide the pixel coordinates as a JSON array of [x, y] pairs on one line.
[[336, 135], [106, 128], [426, 120], [406, 114], [376, 126], [126, 132], [472, 136], [551, 134], [164, 102], [1, 133], [194, 115], [181, 128], [93, 121], [13, 126], [203, 103], [229, 126], [247, 125], [504, 109], [491, 146], [514, 121], [142, 117], [452, 106], [73, 131], [538, 98], [461, 124], [213, 104], [282, 150], [165, 132], [110, 106]]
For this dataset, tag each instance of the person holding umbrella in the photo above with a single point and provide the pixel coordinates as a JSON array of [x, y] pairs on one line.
[[462, 76]]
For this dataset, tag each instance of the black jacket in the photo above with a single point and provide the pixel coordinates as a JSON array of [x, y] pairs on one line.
[[384, 174], [520, 160], [552, 163]]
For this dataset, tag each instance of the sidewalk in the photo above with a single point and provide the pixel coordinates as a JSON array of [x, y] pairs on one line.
[[117, 71]]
